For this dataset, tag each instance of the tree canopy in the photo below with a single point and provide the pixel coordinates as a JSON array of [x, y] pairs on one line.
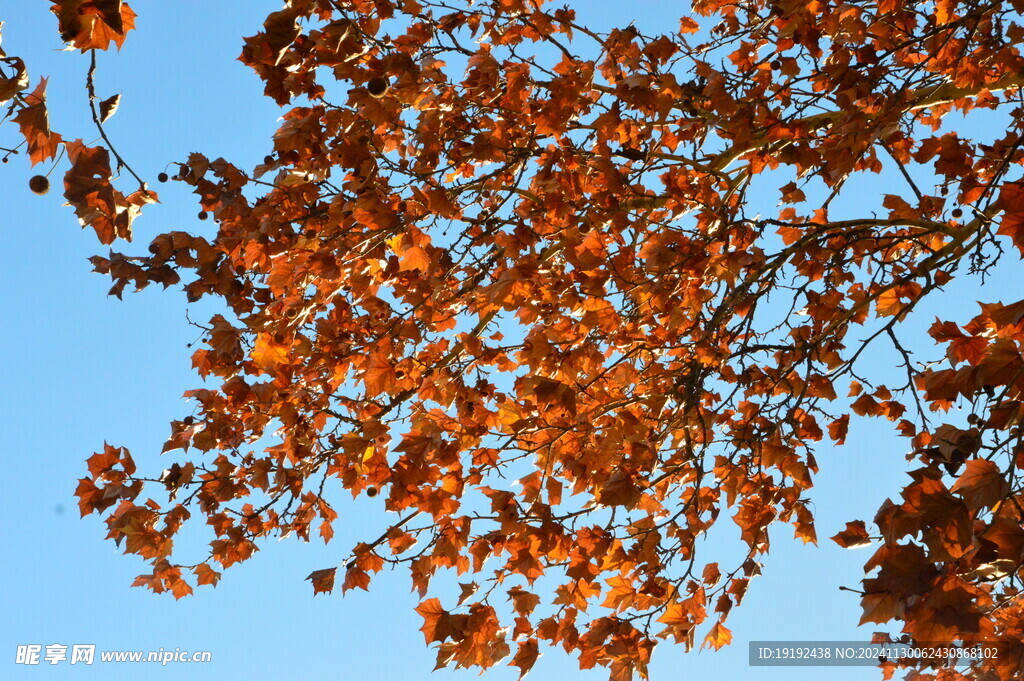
[[561, 298]]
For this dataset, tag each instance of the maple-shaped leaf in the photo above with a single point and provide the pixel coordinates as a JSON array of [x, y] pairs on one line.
[[1011, 200], [466, 591], [526, 656], [323, 580], [379, 376], [108, 107], [620, 490], [854, 536], [718, 637], [88, 189], [35, 126], [94, 24], [268, 352], [523, 601], [981, 484], [12, 85], [281, 30], [838, 429], [356, 578], [435, 618], [207, 575], [101, 462], [879, 607], [415, 258]]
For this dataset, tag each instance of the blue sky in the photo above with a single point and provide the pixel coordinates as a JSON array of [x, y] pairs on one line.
[[80, 368]]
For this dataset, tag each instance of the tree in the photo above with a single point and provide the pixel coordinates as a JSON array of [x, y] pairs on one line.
[[517, 279]]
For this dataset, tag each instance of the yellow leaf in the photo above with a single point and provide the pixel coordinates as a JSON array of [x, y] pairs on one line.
[[718, 637], [268, 353], [415, 258]]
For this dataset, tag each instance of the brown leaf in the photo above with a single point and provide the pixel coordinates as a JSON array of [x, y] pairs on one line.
[[108, 107], [282, 28], [879, 607], [94, 24], [323, 580], [854, 536], [1011, 200], [434, 620], [34, 123], [526, 656], [11, 86], [981, 484]]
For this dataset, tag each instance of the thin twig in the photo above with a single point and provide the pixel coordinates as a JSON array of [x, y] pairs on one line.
[[91, 89]]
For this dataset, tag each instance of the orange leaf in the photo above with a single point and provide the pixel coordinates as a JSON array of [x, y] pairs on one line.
[[526, 656], [269, 353], [35, 126], [718, 637], [879, 607], [854, 536], [206, 575], [1011, 200], [323, 580], [981, 484], [434, 620], [415, 258], [837, 429], [94, 24]]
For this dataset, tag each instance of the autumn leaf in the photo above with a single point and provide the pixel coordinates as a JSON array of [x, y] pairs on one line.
[[879, 608], [434, 620], [94, 24], [281, 29], [268, 352], [838, 429], [854, 536], [356, 578], [108, 107], [718, 637], [415, 258], [323, 580], [1011, 200], [207, 575], [981, 484], [525, 656], [16, 83], [34, 123]]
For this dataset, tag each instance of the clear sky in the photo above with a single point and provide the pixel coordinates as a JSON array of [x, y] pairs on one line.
[[80, 368]]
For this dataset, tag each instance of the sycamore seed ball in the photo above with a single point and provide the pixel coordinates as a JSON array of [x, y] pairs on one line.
[[39, 184], [377, 86]]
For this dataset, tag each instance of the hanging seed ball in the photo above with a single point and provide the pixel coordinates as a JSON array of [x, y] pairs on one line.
[[957, 213], [371, 491], [268, 159], [377, 86], [39, 184], [203, 215], [162, 177]]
